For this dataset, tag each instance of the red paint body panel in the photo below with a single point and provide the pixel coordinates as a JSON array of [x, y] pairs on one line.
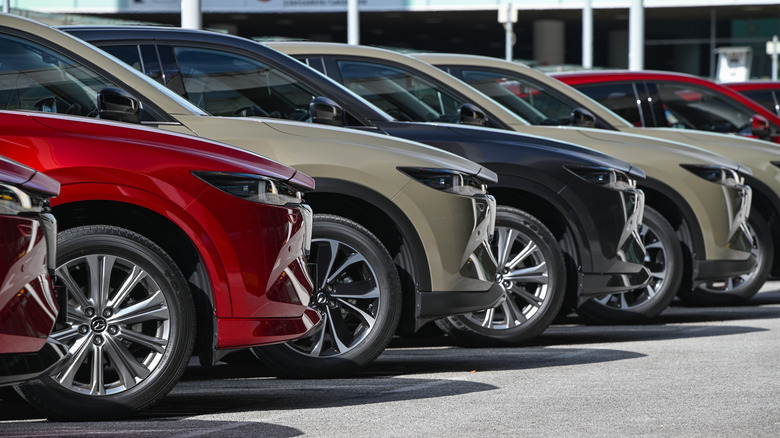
[[28, 307], [248, 248]]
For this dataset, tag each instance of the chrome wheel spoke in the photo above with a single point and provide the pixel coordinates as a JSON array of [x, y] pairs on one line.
[[527, 297], [513, 313], [136, 275], [97, 376], [150, 342], [151, 309], [487, 321], [74, 291], [126, 365], [365, 289], [532, 274], [529, 249], [338, 330], [506, 238], [80, 350]]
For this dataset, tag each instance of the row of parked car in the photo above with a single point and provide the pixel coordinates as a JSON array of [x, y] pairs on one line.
[[471, 192]]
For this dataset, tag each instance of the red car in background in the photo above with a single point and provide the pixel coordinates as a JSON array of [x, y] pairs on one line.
[[765, 93], [168, 244], [28, 304], [674, 100]]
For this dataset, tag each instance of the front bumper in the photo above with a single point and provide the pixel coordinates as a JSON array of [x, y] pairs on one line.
[[455, 231], [729, 254], [20, 367], [612, 253], [262, 249]]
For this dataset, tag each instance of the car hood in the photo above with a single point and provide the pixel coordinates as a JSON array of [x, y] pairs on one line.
[[19, 175], [637, 149], [233, 158], [511, 141], [305, 144]]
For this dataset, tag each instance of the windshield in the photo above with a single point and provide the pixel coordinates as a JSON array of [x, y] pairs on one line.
[[404, 96]]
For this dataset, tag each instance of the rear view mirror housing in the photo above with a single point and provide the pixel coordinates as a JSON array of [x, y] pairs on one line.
[[117, 104], [469, 114]]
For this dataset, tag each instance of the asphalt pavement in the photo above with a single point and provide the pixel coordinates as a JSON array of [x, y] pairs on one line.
[[695, 372]]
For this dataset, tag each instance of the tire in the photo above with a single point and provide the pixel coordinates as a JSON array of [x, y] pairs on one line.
[[357, 289], [664, 259], [143, 334], [532, 273], [738, 289]]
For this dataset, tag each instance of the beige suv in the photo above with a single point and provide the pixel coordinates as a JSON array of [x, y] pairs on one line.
[[401, 234]]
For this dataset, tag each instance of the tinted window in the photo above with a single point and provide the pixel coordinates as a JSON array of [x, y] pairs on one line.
[[533, 102], [692, 107], [226, 84], [33, 77], [767, 99], [621, 98], [401, 94]]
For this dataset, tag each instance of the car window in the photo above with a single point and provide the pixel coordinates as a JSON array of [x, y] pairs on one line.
[[620, 97], [227, 84], [766, 98], [690, 106], [35, 78], [402, 94], [533, 102]]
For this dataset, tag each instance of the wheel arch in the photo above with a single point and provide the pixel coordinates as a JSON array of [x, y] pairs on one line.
[[675, 209], [767, 203], [171, 238], [539, 202], [389, 224]]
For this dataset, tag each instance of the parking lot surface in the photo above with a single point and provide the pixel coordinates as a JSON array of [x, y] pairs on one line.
[[695, 372]]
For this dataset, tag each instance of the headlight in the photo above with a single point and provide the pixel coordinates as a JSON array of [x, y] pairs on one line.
[[14, 201], [776, 163], [255, 188], [446, 180], [603, 176], [717, 174]]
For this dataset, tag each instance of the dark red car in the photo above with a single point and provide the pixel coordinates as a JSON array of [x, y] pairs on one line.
[[168, 244], [28, 303], [765, 93], [674, 100]]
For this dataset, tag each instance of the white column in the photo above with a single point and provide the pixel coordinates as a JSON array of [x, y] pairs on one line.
[[353, 23], [636, 35], [191, 17], [587, 34]]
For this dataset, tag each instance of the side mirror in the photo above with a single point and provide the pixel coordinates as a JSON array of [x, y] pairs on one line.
[[759, 126], [469, 114], [326, 111], [583, 118], [117, 104]]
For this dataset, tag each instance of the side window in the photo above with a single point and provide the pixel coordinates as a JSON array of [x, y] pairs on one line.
[[619, 97], [767, 99], [227, 84], [401, 94], [141, 57], [689, 106], [35, 78], [532, 102]]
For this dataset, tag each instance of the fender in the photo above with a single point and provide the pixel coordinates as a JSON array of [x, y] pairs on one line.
[[90, 192]]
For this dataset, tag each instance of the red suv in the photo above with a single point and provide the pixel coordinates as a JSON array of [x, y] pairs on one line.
[[28, 304], [168, 244], [673, 100]]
